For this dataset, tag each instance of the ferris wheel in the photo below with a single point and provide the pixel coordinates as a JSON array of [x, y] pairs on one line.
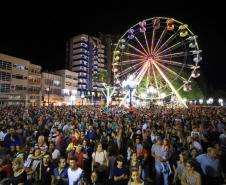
[[161, 55]]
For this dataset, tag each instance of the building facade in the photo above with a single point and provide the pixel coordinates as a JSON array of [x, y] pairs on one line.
[[16, 87], [69, 86], [52, 86], [34, 84], [85, 55]]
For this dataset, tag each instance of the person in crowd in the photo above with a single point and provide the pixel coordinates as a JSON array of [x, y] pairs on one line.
[[54, 151], [45, 174], [79, 154], [190, 176], [157, 154], [193, 153], [100, 161], [32, 163], [116, 131], [94, 179], [19, 176], [41, 144], [138, 147], [91, 133], [75, 173], [120, 173], [135, 163], [5, 168], [135, 178], [59, 141], [211, 167], [60, 173], [193, 143], [19, 151], [166, 168], [180, 167]]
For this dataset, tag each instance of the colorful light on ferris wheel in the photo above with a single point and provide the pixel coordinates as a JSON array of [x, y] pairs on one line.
[[122, 44], [195, 74], [183, 30], [170, 24], [130, 34], [192, 45], [142, 26], [156, 23], [197, 59]]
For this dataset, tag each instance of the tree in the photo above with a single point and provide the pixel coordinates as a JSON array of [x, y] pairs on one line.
[[101, 76]]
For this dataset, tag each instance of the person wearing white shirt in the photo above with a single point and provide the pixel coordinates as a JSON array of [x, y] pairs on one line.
[[75, 174]]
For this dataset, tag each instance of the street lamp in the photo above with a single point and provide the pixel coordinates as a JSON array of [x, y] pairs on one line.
[[162, 95], [108, 95], [201, 101], [82, 96], [129, 84], [48, 90], [221, 101], [93, 93], [152, 92], [210, 101]]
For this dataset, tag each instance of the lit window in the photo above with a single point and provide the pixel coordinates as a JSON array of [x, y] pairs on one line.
[[19, 66], [56, 82]]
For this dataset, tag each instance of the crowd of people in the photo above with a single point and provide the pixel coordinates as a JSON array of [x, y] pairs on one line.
[[92, 145]]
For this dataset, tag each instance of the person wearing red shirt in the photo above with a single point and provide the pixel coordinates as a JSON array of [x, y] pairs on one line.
[[81, 156]]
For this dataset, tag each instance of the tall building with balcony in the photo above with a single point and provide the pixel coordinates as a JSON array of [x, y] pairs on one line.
[[69, 86], [15, 81], [85, 55]]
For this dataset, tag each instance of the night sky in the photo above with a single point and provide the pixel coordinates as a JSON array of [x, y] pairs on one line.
[[38, 32]]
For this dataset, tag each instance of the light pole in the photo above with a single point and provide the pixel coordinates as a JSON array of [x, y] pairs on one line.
[[108, 95], [130, 85], [130, 96], [82, 96], [48, 90], [93, 93], [221, 102]]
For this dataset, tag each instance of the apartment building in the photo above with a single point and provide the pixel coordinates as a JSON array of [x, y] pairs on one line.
[[16, 87], [69, 86], [85, 55], [52, 85]]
